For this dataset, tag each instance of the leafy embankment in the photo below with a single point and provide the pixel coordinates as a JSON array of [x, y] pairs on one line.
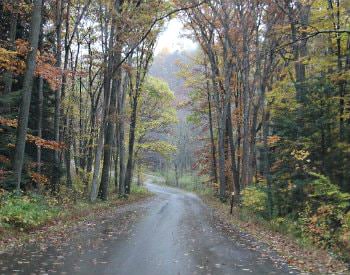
[[304, 257], [308, 236], [22, 215]]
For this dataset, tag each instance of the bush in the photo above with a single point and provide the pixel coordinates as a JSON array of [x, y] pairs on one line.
[[255, 199], [27, 211], [325, 218], [139, 190]]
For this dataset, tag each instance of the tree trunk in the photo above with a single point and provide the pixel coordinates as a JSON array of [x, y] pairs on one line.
[[109, 139], [98, 156], [40, 119], [116, 159], [129, 170], [27, 93], [56, 163], [235, 174], [266, 165], [212, 141], [121, 123]]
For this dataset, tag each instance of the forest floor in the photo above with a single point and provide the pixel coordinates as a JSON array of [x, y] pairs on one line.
[[310, 259], [71, 215]]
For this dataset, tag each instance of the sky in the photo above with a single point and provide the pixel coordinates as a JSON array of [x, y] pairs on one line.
[[172, 39]]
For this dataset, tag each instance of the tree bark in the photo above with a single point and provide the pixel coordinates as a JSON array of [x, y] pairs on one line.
[[109, 139], [212, 141], [27, 93], [129, 170], [40, 119], [56, 162], [121, 147]]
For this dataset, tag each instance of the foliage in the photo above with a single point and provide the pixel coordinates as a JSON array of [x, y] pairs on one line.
[[254, 199], [139, 190], [26, 211]]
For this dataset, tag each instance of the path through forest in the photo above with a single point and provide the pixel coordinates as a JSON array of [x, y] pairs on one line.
[[174, 233]]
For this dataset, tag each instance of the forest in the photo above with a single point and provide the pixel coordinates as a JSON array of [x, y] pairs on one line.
[[261, 123]]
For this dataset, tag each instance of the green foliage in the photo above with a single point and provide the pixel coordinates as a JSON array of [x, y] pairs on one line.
[[254, 198], [313, 210], [325, 216], [163, 148], [27, 211], [157, 114], [139, 190]]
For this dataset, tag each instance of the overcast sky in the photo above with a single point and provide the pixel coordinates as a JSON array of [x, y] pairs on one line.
[[172, 38]]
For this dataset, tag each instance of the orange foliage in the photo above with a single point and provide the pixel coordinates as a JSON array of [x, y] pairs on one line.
[[14, 61], [8, 122], [273, 139], [47, 144], [39, 178], [47, 70], [22, 47]]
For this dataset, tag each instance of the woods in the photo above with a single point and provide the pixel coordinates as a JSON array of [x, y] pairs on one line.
[[87, 65], [265, 124], [270, 91]]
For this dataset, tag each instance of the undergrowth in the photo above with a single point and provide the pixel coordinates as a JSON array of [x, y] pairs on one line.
[[31, 210]]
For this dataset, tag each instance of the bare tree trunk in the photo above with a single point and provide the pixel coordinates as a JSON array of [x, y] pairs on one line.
[[246, 112], [116, 158], [221, 146], [129, 170], [212, 141], [109, 139], [235, 174], [40, 119], [27, 93], [121, 123], [266, 163], [96, 171], [56, 163], [92, 136]]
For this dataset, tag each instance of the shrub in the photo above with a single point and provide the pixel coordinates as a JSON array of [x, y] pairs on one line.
[[25, 212], [255, 199], [139, 190], [325, 218]]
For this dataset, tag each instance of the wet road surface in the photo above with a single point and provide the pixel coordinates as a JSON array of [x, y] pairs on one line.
[[174, 233]]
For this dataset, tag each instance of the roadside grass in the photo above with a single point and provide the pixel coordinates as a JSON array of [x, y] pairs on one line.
[[23, 215]]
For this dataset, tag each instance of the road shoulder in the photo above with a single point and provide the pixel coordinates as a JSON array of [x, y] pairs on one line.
[[315, 261]]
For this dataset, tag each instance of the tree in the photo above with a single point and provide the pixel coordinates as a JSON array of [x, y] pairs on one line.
[[27, 92]]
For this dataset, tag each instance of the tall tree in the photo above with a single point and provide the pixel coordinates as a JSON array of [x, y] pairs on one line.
[[27, 92]]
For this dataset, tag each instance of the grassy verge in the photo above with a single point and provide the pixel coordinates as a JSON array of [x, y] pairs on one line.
[[21, 217]]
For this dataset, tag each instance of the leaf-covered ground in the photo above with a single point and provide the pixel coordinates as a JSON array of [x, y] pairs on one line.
[[311, 260]]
